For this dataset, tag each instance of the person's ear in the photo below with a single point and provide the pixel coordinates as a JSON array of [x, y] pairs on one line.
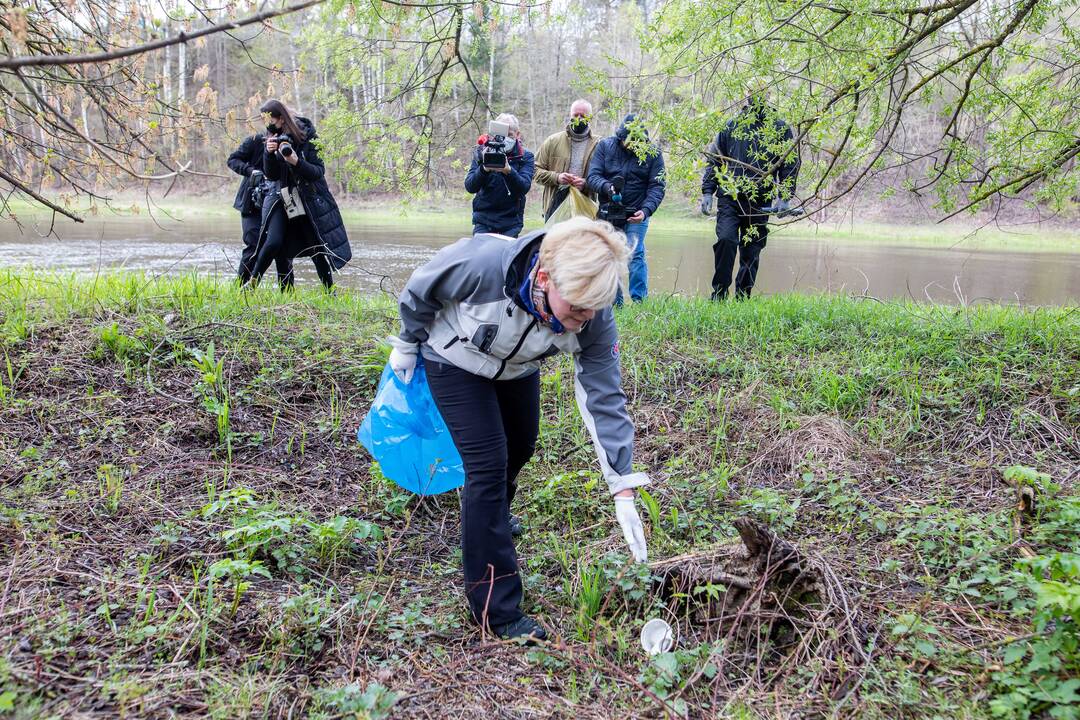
[[542, 279]]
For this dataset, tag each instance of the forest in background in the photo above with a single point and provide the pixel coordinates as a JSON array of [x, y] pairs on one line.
[[917, 112]]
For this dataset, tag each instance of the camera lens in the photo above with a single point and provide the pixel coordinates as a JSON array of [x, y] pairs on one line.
[[286, 149]]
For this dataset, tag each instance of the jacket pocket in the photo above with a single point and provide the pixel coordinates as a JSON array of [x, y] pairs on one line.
[[485, 336]]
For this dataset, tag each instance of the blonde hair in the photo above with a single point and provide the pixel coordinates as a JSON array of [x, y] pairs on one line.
[[585, 260]]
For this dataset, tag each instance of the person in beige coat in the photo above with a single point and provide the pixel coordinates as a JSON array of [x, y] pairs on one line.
[[563, 159]]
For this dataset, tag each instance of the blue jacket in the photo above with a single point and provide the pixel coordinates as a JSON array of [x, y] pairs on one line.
[[308, 176], [645, 184], [499, 202]]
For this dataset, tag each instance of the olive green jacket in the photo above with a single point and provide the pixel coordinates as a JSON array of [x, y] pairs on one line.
[[553, 159]]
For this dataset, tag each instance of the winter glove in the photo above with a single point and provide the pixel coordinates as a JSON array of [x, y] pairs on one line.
[[632, 530], [403, 358], [706, 204]]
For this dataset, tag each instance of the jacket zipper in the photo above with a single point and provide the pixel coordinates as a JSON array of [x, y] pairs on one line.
[[520, 342]]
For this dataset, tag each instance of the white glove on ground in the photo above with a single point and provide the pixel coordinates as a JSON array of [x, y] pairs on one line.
[[632, 530], [403, 358]]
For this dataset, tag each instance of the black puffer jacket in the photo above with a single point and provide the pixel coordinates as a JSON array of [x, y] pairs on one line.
[[319, 206], [744, 149], [645, 179], [243, 160]]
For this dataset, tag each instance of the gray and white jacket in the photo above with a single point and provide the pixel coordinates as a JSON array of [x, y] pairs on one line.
[[462, 307]]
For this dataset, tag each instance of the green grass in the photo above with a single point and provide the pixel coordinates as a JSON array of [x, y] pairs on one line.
[[187, 521]]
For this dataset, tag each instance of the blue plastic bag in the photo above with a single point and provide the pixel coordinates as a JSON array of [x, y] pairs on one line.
[[405, 432]]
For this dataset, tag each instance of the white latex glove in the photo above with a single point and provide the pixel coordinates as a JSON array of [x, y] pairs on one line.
[[632, 530], [403, 358]]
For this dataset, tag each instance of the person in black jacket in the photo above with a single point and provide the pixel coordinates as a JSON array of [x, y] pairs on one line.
[[299, 215], [246, 161], [640, 164], [745, 154], [499, 202]]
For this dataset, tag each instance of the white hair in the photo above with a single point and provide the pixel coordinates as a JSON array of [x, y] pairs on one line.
[[510, 120], [585, 259], [581, 101]]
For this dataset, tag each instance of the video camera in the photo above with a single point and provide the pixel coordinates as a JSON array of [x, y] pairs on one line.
[[493, 152], [611, 209]]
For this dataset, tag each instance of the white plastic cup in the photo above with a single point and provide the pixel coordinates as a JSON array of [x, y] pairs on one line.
[[657, 637]]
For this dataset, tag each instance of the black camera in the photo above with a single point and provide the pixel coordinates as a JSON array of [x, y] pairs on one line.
[[256, 192], [493, 152], [284, 140], [611, 209]]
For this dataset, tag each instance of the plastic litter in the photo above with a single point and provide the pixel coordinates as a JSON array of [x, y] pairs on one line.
[[657, 637], [576, 203], [405, 432]]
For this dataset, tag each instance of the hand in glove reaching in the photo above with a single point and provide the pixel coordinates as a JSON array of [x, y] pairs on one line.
[[403, 358], [706, 204], [630, 521]]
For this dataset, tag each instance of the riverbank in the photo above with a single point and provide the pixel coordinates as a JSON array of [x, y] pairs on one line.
[[188, 525], [673, 223]]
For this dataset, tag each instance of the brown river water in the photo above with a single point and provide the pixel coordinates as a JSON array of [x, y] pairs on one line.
[[383, 257]]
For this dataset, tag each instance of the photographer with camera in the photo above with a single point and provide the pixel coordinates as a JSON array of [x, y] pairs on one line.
[[743, 162], [299, 215], [564, 157], [630, 156], [246, 161], [500, 176]]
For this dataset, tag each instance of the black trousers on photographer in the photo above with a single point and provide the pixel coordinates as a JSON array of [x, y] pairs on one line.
[[741, 231], [250, 225], [287, 239]]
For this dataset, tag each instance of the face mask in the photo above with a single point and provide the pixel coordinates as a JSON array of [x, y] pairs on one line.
[[579, 124]]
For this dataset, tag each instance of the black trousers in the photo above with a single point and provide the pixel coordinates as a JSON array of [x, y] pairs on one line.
[[494, 424], [738, 230], [287, 239], [250, 225], [509, 232]]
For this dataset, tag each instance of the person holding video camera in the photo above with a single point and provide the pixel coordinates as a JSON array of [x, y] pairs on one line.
[[500, 176], [246, 161], [299, 215], [744, 154], [627, 174]]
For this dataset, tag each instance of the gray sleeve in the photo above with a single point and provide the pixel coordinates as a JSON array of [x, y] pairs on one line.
[[602, 403], [447, 277]]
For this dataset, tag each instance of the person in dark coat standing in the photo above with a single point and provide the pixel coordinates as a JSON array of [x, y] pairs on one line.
[[299, 215], [246, 161], [745, 151], [499, 201], [642, 170]]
